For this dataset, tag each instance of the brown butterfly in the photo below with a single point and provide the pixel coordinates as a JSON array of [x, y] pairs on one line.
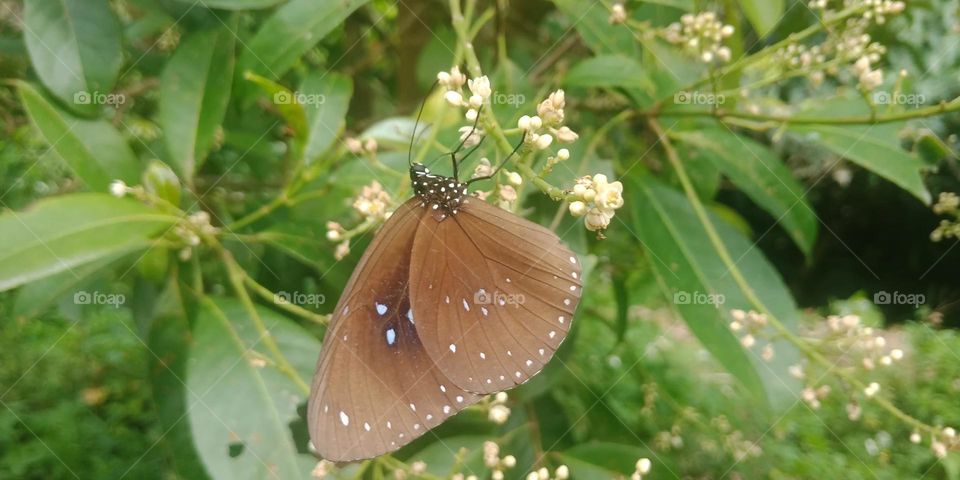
[[454, 299]]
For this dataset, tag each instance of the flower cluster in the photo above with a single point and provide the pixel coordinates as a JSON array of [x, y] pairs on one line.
[[492, 460], [323, 468], [948, 203], [479, 92], [547, 125], [852, 337], [357, 146], [701, 35], [597, 201], [747, 325], [188, 233], [849, 45], [373, 201], [499, 412]]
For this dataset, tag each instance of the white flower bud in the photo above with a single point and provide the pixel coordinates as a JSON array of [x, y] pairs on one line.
[[475, 101], [562, 472], [443, 78], [480, 86], [748, 341], [524, 123], [543, 473], [536, 122], [471, 115], [643, 466], [354, 145], [514, 179], [896, 354], [453, 98], [871, 389], [915, 437], [334, 235], [509, 461], [118, 188], [563, 154], [499, 414], [578, 209], [565, 135], [544, 141]]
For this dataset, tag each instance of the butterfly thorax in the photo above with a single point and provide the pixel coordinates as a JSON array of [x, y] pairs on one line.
[[443, 195]]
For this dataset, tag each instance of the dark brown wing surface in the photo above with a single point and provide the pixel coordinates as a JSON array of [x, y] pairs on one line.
[[496, 294], [375, 388]]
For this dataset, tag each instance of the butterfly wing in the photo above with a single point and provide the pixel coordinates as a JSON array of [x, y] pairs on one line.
[[375, 388], [497, 294]]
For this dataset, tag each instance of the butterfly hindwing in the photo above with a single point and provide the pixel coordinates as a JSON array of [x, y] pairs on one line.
[[376, 388], [498, 293]]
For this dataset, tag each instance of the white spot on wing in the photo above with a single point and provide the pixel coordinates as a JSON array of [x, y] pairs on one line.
[[443, 389], [413, 407], [484, 310], [566, 301], [553, 334], [542, 351], [446, 299], [561, 319], [453, 348], [574, 274], [366, 426], [483, 356], [459, 399], [573, 260], [344, 419], [391, 336], [446, 409], [466, 306], [381, 308], [410, 315], [573, 288]]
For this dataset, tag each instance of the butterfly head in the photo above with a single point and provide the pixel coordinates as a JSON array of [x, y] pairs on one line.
[[444, 195]]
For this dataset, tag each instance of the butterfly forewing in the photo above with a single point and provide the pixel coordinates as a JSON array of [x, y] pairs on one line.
[[497, 294], [376, 388]]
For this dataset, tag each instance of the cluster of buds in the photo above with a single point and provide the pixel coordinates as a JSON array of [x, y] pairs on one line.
[[948, 203], [357, 146], [940, 444], [492, 460], [561, 473], [741, 447], [701, 35], [547, 125], [373, 201], [667, 439], [813, 396], [597, 201], [852, 336], [187, 233], [499, 412], [869, 77], [641, 468], [478, 93], [880, 9], [747, 326]]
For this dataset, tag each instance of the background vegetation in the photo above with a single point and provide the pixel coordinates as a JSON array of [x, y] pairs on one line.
[[777, 297]]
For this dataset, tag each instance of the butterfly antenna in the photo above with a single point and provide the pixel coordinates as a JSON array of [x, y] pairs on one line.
[[413, 136], [502, 163], [456, 163]]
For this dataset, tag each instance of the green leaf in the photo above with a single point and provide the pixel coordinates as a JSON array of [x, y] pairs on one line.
[[608, 71], [760, 174], [282, 98], [591, 20], [194, 96], [74, 46], [63, 233], [94, 149], [694, 278], [240, 408], [325, 117], [290, 32], [874, 147], [763, 14], [36, 296], [159, 180], [236, 4]]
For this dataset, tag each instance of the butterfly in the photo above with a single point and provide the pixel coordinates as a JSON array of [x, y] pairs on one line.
[[453, 299]]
